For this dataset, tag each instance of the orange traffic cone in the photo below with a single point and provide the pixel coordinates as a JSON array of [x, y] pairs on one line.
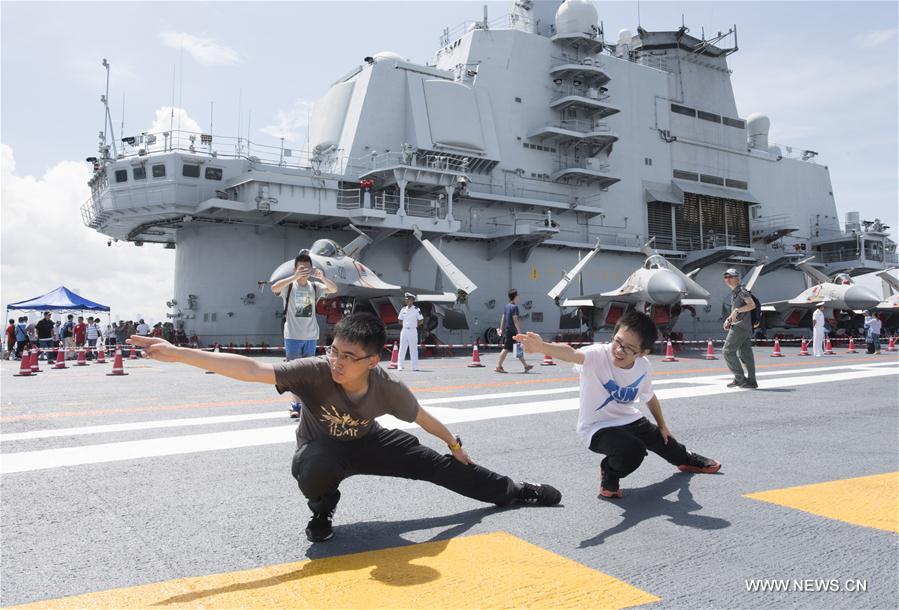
[[710, 351], [851, 349], [25, 367], [132, 353], [803, 351], [828, 348], [82, 358], [101, 354], [891, 346], [117, 367], [394, 357], [547, 360], [35, 367], [60, 358], [669, 353], [475, 357], [776, 353]]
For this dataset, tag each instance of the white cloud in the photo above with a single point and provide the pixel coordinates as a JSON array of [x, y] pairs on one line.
[[291, 123], [869, 40], [168, 118], [45, 244], [204, 50]]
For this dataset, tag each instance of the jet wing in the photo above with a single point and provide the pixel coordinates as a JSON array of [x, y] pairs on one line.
[[781, 306], [446, 297], [578, 303], [753, 276]]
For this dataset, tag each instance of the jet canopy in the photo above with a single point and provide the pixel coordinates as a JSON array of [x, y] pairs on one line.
[[327, 248], [656, 261], [843, 278]]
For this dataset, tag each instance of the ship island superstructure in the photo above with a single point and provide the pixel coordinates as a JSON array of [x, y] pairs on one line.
[[518, 146]]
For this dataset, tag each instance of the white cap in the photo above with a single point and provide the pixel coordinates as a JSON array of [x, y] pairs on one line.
[[732, 272]]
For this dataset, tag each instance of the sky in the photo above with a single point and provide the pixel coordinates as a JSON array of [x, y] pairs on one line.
[[824, 72]]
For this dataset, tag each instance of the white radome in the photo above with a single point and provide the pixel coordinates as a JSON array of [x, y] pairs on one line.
[[576, 16]]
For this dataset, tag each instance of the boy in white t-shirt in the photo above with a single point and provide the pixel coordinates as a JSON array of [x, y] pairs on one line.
[[614, 378]]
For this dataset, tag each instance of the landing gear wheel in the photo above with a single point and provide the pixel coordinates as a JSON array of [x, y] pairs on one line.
[[491, 336]]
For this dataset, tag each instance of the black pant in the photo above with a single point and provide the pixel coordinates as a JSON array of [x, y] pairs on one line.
[[321, 465], [625, 447]]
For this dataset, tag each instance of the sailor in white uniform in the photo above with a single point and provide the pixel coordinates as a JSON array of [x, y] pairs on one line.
[[411, 318], [818, 330]]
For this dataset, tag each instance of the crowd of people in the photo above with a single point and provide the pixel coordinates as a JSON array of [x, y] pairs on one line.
[[72, 333]]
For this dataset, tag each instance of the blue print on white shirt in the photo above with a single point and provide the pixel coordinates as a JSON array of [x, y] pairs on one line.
[[622, 395]]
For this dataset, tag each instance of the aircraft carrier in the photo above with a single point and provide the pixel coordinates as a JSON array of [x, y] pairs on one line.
[[526, 139]]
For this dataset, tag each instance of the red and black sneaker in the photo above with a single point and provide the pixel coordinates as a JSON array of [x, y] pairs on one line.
[[700, 463], [608, 486]]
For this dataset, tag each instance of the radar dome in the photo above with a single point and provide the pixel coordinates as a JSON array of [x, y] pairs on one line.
[[576, 16], [389, 55], [757, 128], [624, 36]]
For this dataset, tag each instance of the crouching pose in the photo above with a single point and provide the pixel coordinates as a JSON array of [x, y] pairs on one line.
[[614, 378], [342, 393]]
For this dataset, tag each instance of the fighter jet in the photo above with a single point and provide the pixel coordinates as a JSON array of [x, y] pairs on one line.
[[842, 296], [360, 289], [888, 308], [657, 288]]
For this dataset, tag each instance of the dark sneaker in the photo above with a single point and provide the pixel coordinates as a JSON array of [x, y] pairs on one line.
[[541, 495], [750, 384], [319, 527], [608, 486], [528, 367], [736, 383], [699, 463]]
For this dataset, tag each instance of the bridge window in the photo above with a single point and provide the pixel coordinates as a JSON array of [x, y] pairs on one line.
[[121, 175], [708, 116], [678, 109], [159, 171], [189, 170], [213, 173], [737, 184], [140, 173], [738, 123], [711, 179], [679, 173]]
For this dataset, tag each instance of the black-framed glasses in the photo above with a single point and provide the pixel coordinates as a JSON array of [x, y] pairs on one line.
[[627, 350], [333, 354]]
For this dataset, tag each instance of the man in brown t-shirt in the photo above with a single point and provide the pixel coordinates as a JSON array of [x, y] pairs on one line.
[[342, 394]]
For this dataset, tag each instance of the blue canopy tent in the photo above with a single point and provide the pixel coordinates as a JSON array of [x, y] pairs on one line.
[[60, 300]]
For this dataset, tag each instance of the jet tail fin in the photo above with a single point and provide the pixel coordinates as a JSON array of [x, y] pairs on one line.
[[890, 283], [568, 277], [355, 247], [461, 282], [810, 271]]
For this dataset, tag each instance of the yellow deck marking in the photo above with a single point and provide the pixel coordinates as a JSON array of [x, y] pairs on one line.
[[494, 570], [871, 501]]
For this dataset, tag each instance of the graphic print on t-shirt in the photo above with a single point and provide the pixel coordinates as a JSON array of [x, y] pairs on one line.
[[341, 424], [302, 304], [623, 395]]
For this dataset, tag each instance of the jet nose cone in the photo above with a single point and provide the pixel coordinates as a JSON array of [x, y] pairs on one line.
[[665, 287], [859, 297]]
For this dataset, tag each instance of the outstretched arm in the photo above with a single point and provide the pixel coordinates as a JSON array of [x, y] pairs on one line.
[[434, 426], [229, 365], [533, 344]]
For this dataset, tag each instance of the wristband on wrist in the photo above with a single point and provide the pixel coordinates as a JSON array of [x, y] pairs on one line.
[[455, 446]]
